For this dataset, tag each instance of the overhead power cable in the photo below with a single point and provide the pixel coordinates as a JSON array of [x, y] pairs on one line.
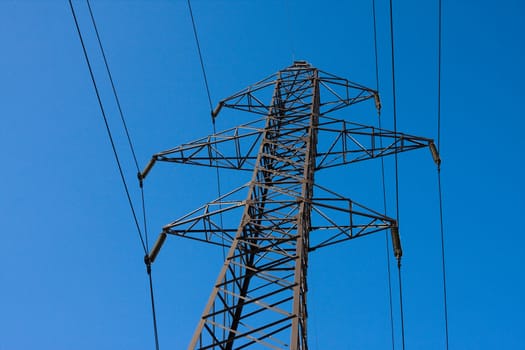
[[200, 55], [392, 46], [217, 172], [117, 100], [440, 44], [122, 118], [205, 77], [143, 242], [383, 183], [110, 136], [152, 298], [376, 56], [121, 113]]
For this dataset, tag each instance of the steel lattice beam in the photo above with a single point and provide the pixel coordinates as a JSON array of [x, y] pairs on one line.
[[259, 298]]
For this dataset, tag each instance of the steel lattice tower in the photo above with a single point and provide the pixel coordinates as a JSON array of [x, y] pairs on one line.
[[259, 298]]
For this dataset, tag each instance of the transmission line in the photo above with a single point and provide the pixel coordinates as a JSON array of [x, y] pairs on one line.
[[200, 56], [217, 172], [121, 113], [376, 56], [392, 46], [387, 241], [110, 136], [117, 100], [440, 30], [394, 106], [144, 243]]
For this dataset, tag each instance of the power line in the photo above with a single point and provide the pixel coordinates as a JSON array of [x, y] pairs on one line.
[[443, 257], [217, 172], [152, 298], [113, 86], [121, 113], [387, 245], [387, 241], [144, 243], [130, 143], [394, 106], [200, 56], [375, 45], [148, 270], [401, 302], [439, 74], [108, 130], [392, 46], [440, 30]]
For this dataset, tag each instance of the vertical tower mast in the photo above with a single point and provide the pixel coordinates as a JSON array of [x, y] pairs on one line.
[[261, 288], [259, 298]]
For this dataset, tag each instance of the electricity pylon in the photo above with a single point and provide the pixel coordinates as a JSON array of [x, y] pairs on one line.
[[259, 298]]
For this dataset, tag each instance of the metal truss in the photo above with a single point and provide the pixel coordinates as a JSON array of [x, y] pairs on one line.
[[237, 148], [259, 298]]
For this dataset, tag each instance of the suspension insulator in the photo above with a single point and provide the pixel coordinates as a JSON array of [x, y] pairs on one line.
[[435, 153], [156, 248], [217, 110], [378, 102], [396, 241], [147, 169]]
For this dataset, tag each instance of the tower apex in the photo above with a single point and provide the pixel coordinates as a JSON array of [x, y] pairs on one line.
[[301, 63]]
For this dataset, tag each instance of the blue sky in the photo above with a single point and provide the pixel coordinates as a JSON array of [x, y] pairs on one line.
[[73, 275]]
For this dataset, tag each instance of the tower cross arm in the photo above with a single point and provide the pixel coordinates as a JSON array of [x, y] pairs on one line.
[[205, 224], [251, 99], [337, 93], [345, 142], [336, 219], [234, 148]]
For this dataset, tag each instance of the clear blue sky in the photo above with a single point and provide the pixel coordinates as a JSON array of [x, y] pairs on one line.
[[72, 274]]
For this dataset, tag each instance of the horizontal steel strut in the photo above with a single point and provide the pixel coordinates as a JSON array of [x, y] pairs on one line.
[[259, 298]]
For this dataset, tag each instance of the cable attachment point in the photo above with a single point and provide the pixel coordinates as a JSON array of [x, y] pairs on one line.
[[147, 261], [141, 183]]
